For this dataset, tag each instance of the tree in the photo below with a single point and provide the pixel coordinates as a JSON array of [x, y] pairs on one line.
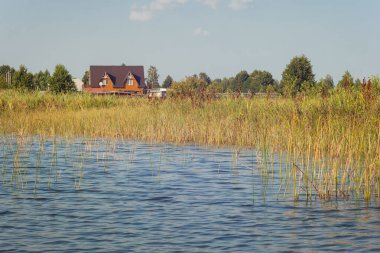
[[214, 87], [192, 87], [328, 81], [358, 83], [298, 75], [260, 80], [203, 76], [22, 79], [61, 80], [4, 70], [375, 81], [3, 83], [86, 78], [168, 82], [325, 85], [217, 80], [41, 80], [270, 89], [152, 79], [347, 81], [240, 80]]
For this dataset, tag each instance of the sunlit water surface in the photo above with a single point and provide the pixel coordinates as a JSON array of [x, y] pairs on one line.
[[113, 196]]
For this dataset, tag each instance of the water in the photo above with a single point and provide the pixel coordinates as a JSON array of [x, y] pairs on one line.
[[134, 197]]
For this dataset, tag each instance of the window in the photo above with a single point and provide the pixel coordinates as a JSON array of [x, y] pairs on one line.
[[105, 82], [130, 82]]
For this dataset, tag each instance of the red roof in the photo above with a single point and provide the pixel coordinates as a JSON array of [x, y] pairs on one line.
[[118, 75]]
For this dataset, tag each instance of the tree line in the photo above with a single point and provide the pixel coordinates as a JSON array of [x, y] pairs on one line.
[[297, 78], [22, 79]]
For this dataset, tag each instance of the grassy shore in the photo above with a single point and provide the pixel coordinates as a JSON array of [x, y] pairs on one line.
[[330, 146]]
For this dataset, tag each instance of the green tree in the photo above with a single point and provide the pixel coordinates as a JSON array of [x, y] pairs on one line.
[[217, 85], [241, 79], [227, 84], [203, 76], [297, 76], [357, 84], [22, 79], [152, 79], [191, 86], [270, 89], [86, 78], [325, 85], [3, 83], [214, 87], [61, 80], [260, 80], [347, 81], [167, 82], [328, 81], [375, 83], [41, 80], [4, 70], [217, 80]]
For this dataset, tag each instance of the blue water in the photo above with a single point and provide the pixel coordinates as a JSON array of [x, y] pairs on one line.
[[69, 196]]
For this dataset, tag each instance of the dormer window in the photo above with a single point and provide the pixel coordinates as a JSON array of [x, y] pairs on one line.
[[104, 80], [130, 79]]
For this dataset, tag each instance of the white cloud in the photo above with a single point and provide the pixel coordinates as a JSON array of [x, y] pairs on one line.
[[163, 4], [240, 4], [146, 12], [200, 32], [211, 3], [140, 14]]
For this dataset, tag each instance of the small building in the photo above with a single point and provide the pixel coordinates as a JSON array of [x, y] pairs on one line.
[[116, 79], [157, 93], [78, 84]]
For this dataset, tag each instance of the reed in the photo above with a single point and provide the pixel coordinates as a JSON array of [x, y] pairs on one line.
[[330, 147]]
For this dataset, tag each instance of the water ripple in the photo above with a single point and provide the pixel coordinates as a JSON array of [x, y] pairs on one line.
[[156, 197]]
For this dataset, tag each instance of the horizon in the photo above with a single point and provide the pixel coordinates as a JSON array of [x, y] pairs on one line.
[[257, 34]]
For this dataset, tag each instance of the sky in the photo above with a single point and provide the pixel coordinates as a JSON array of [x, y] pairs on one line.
[[186, 37]]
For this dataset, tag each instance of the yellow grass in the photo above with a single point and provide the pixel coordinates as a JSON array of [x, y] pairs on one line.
[[331, 145]]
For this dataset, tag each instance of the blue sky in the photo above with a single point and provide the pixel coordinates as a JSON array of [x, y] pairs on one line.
[[184, 37]]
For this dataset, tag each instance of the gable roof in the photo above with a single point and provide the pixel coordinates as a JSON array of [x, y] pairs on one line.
[[118, 75]]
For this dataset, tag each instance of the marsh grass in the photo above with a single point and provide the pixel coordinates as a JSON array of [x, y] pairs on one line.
[[328, 147]]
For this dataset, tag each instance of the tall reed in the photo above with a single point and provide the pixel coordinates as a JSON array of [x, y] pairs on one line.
[[330, 146]]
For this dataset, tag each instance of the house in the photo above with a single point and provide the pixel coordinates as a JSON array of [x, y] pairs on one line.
[[157, 93], [116, 79], [78, 84]]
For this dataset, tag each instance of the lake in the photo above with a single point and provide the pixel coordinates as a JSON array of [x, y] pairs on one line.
[[127, 196]]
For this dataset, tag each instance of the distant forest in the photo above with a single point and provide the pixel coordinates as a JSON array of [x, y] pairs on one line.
[[297, 78]]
